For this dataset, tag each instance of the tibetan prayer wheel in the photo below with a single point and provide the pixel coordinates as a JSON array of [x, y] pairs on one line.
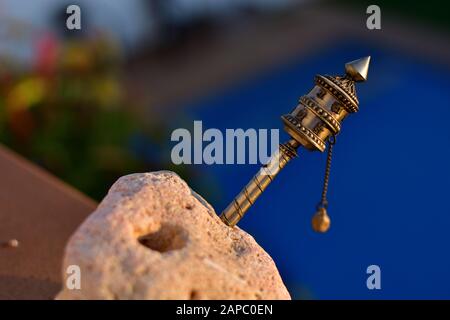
[[316, 120]]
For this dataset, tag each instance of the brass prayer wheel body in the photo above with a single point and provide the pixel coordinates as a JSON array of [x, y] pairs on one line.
[[316, 118], [321, 112]]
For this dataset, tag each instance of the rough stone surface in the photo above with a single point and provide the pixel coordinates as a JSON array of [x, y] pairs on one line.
[[152, 237]]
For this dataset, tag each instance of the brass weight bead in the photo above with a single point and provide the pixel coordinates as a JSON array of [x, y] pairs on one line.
[[311, 124], [321, 221]]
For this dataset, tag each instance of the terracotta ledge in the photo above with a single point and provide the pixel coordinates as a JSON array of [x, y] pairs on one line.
[[41, 212]]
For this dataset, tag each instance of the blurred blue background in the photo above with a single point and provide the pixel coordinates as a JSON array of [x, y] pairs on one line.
[[388, 186], [93, 105]]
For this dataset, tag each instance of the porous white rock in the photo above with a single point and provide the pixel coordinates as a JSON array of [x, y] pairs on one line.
[[152, 237]]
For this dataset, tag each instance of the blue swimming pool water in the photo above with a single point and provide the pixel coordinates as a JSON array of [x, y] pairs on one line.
[[389, 181]]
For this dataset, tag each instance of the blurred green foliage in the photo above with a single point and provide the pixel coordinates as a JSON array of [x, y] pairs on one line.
[[69, 114]]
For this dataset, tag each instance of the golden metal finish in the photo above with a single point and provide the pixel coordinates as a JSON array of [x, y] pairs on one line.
[[320, 221], [316, 118], [358, 69], [237, 208]]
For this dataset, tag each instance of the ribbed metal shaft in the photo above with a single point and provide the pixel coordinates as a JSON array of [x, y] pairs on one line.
[[245, 199]]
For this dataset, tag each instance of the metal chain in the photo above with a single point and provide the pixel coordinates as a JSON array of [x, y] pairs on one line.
[[324, 202]]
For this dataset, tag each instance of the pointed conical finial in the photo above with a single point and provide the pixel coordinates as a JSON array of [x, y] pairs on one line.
[[358, 69]]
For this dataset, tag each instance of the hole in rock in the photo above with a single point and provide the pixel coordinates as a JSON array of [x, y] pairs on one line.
[[169, 237], [240, 248]]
